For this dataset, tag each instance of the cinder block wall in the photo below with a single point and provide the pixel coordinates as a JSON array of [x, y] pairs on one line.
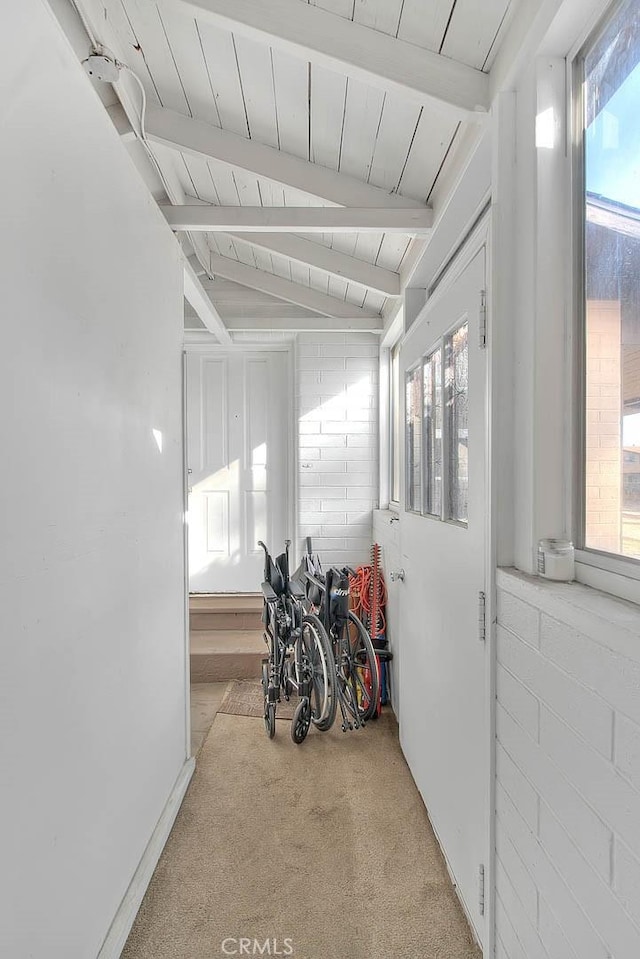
[[337, 415], [568, 773]]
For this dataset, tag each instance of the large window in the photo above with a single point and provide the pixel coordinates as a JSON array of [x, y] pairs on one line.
[[395, 423], [610, 201], [437, 440], [432, 388], [457, 385], [413, 461]]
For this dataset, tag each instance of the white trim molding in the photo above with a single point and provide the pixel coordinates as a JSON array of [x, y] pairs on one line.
[[127, 911]]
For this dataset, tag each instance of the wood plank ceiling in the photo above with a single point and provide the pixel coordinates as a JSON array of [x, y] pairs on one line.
[[263, 94]]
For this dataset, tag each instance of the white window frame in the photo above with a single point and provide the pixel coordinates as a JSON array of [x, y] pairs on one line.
[[438, 346], [609, 572], [446, 431], [391, 340], [396, 431], [539, 310], [418, 367]]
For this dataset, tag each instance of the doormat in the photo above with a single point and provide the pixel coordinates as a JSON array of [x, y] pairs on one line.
[[247, 699]]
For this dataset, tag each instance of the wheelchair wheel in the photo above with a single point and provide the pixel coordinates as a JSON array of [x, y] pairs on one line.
[[364, 674], [270, 719], [301, 721], [315, 649], [269, 708]]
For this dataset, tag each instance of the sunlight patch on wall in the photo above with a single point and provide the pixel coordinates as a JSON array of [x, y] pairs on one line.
[[337, 407], [546, 125]]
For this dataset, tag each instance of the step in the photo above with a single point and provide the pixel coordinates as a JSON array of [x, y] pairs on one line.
[[226, 611], [219, 655]]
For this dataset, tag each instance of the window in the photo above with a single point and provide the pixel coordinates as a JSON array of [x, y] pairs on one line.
[[457, 387], [432, 391], [437, 463], [396, 431], [413, 466], [610, 217]]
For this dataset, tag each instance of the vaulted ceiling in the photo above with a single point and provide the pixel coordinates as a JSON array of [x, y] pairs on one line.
[[355, 105]]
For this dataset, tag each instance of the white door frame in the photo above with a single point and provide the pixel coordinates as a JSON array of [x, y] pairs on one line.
[[185, 541], [479, 236], [196, 342]]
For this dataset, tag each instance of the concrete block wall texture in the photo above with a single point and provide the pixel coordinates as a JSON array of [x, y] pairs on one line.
[[568, 773], [337, 417]]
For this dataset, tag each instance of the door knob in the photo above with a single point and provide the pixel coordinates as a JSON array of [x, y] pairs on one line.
[[397, 574]]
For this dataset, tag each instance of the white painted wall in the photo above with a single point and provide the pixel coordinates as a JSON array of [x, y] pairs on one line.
[[92, 701], [568, 772], [337, 415]]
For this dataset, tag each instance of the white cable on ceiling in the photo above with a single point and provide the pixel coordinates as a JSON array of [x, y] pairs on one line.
[[141, 133], [142, 136]]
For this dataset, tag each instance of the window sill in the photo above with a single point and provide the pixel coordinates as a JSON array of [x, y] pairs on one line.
[[609, 575], [611, 622], [389, 515]]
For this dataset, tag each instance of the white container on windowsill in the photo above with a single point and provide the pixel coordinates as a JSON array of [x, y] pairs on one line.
[[556, 560]]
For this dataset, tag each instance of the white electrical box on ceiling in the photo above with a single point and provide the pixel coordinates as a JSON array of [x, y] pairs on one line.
[[101, 67]]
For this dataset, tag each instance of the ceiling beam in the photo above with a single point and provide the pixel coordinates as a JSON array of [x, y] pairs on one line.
[[198, 268], [321, 324], [321, 257], [199, 139], [303, 296], [344, 46], [197, 296], [120, 121], [293, 219]]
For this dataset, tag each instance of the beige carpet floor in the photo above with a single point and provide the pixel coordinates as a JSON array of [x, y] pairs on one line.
[[246, 698], [326, 844]]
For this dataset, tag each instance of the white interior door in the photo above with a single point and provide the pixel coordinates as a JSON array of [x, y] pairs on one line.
[[443, 697], [237, 449]]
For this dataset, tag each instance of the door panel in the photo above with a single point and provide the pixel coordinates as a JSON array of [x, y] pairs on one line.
[[443, 721], [394, 590], [237, 448]]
